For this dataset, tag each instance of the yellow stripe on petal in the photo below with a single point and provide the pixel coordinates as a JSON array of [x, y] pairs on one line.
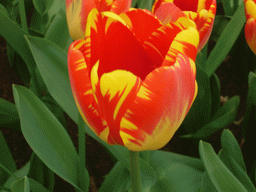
[[185, 22], [250, 9], [91, 22], [185, 42], [149, 124], [94, 76], [118, 83], [112, 17], [201, 5], [115, 91]]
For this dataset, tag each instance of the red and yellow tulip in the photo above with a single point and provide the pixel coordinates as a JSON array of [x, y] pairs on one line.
[[133, 79], [250, 26], [78, 10], [202, 12]]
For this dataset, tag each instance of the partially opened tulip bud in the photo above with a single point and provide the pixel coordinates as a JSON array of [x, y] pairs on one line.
[[202, 12], [78, 10], [250, 26], [134, 79]]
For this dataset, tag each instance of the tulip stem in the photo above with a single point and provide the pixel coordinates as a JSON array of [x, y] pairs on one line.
[[135, 171]]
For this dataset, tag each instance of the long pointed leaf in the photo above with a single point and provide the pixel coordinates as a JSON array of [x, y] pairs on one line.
[[46, 136], [226, 41]]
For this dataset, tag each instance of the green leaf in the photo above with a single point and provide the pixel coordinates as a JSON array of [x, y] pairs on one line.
[[18, 64], [231, 147], [200, 112], [41, 173], [8, 115], [206, 183], [40, 22], [145, 4], [219, 174], [51, 61], [118, 180], [223, 117], [202, 56], [148, 175], [56, 6], [17, 175], [228, 6], [233, 159], [241, 175], [42, 6], [21, 185], [176, 172], [46, 136], [37, 187], [58, 31], [226, 41], [3, 9], [14, 35], [252, 87], [55, 108], [215, 92], [6, 160], [220, 23]]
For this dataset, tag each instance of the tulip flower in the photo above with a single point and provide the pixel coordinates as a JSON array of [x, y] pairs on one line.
[[133, 79], [202, 12], [250, 26], [78, 10]]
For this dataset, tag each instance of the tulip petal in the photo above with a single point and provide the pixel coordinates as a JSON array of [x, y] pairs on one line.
[[186, 42], [162, 103], [159, 41], [190, 5], [141, 22], [77, 12], [250, 33], [204, 22], [205, 4], [114, 92], [250, 9], [82, 90], [120, 6], [105, 34], [168, 12]]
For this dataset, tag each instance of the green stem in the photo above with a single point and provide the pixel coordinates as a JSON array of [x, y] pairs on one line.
[[23, 15], [135, 171]]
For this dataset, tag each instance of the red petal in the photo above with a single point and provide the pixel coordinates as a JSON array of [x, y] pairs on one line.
[[158, 42], [141, 22], [82, 90], [190, 5], [250, 34], [116, 46], [162, 103]]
